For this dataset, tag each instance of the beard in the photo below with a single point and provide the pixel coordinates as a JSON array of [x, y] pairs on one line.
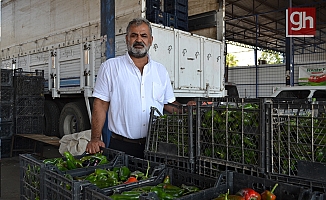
[[135, 52]]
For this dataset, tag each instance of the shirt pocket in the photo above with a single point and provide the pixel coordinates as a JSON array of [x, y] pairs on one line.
[[158, 92]]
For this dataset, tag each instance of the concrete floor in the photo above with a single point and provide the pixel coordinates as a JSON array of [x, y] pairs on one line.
[[10, 175]]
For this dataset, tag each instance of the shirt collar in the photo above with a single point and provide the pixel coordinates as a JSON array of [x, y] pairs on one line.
[[132, 62]]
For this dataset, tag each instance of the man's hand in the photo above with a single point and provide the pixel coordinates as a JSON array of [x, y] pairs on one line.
[[93, 146]]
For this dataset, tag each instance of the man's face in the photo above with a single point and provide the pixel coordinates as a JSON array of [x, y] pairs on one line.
[[139, 40]]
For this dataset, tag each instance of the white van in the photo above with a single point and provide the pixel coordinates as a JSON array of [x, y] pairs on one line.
[[301, 92]]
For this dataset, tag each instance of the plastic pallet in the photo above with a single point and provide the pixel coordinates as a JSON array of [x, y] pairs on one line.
[[230, 136], [29, 124], [7, 95], [6, 112], [177, 178], [171, 136], [76, 189], [29, 106], [6, 130], [6, 77]]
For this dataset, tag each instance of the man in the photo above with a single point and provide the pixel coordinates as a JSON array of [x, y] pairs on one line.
[[127, 86]]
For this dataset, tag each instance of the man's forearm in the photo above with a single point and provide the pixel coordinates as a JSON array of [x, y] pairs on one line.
[[98, 118]]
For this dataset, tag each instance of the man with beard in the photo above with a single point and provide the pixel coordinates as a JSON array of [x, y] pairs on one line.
[[127, 86]]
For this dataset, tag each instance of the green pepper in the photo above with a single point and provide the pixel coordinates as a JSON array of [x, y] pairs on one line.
[[167, 179], [51, 161], [91, 178], [62, 166], [71, 162], [161, 193], [102, 158], [123, 197], [131, 193], [124, 173], [138, 174], [190, 189], [104, 183], [143, 189], [99, 171]]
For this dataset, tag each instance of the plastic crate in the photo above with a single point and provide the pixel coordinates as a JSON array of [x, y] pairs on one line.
[[29, 83], [152, 5], [234, 182], [296, 139], [6, 112], [29, 106], [6, 77], [5, 148], [29, 124], [6, 130], [230, 136], [55, 183], [33, 169], [7, 95], [177, 178], [171, 139], [31, 176], [157, 16], [171, 20], [182, 24]]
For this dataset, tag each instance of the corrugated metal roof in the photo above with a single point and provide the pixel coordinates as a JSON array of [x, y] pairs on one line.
[[262, 23]]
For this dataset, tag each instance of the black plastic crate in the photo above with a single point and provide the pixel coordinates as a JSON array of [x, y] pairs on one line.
[[29, 83], [29, 125], [6, 130], [171, 20], [230, 136], [6, 112], [177, 178], [176, 2], [152, 5], [182, 24], [32, 171], [157, 16], [171, 138], [7, 95], [234, 182], [31, 176], [6, 77], [5, 148], [57, 186], [295, 143], [174, 6], [29, 106]]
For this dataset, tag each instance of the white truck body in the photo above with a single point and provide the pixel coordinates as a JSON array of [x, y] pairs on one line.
[[63, 38]]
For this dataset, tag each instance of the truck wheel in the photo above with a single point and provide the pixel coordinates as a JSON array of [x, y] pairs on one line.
[[51, 118], [73, 118]]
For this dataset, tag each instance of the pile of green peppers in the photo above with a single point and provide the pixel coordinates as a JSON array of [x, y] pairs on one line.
[[69, 162], [104, 178], [164, 191]]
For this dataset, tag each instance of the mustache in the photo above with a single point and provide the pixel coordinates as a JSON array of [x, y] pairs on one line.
[[138, 43]]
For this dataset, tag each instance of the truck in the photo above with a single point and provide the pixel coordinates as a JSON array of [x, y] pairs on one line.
[[65, 39]]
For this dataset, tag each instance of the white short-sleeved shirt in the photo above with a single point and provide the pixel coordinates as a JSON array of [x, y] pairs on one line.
[[131, 94]]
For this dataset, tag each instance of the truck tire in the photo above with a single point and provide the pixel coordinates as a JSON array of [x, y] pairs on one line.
[[73, 118], [51, 118]]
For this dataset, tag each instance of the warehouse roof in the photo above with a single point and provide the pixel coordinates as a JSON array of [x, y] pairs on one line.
[[262, 23]]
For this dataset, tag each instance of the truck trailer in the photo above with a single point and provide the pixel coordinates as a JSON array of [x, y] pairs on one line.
[[66, 40]]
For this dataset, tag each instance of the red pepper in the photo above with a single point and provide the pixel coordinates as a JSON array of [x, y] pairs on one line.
[[131, 179], [269, 195], [249, 194], [226, 196]]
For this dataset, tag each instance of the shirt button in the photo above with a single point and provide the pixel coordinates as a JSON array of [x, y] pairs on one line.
[[143, 124], [142, 97], [143, 110]]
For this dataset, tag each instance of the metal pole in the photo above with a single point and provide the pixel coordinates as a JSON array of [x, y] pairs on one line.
[[108, 26]]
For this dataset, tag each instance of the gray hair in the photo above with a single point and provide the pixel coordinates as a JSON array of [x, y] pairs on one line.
[[137, 22]]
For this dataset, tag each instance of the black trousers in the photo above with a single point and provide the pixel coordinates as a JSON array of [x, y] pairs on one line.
[[133, 149]]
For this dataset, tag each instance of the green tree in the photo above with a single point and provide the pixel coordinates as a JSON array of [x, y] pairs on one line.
[[231, 60], [271, 57]]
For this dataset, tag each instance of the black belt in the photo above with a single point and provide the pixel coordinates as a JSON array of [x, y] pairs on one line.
[[135, 141]]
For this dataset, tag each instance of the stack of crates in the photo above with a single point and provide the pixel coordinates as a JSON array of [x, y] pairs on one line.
[[29, 101], [6, 110], [154, 12], [177, 13]]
